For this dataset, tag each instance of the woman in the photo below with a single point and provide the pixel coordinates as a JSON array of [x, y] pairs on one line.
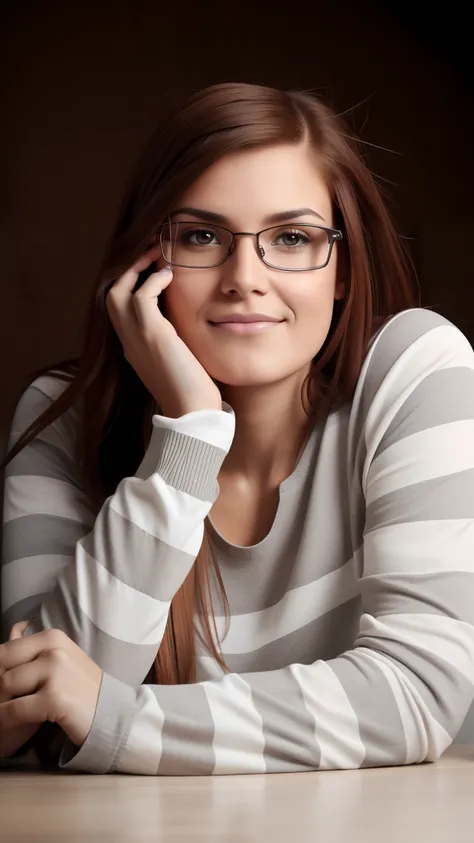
[[237, 531]]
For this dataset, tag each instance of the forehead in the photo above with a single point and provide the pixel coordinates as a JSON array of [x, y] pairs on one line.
[[256, 182]]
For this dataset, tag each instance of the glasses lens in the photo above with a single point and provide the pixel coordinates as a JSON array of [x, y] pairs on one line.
[[295, 247], [193, 244]]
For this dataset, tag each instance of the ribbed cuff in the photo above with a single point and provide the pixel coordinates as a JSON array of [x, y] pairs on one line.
[[109, 730], [188, 452]]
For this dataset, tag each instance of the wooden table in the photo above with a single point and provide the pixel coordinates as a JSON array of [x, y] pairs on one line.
[[420, 804]]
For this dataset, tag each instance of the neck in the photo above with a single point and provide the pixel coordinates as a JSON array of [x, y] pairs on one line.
[[271, 431]]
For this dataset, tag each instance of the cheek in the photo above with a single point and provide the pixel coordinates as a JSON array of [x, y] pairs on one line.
[[180, 303], [313, 307], [314, 298]]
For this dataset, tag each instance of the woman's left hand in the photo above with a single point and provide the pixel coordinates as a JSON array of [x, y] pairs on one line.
[[49, 678]]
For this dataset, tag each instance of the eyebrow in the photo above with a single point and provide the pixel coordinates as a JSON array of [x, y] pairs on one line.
[[280, 216]]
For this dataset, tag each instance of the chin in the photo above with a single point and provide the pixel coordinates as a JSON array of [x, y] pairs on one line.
[[248, 377]]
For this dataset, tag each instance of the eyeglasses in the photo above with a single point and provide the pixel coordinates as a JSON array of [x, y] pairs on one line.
[[291, 248]]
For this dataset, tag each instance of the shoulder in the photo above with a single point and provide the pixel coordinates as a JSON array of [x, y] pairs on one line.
[[409, 347], [38, 397], [418, 373]]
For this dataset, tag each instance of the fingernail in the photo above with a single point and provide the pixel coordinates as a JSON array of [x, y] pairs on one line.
[[166, 270]]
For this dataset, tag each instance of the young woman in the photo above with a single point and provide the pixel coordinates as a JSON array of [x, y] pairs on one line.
[[238, 529]]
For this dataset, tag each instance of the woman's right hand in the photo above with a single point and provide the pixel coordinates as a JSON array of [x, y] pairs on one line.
[[161, 359], [12, 739]]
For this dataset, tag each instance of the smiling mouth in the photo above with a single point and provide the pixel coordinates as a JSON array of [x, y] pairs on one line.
[[258, 327]]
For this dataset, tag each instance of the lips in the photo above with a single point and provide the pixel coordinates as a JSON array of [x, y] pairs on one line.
[[246, 328], [244, 318]]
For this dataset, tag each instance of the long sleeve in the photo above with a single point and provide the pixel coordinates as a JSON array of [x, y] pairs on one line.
[[400, 694], [108, 581]]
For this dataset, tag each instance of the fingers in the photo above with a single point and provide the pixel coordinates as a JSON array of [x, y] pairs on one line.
[[17, 630], [144, 300], [122, 303], [24, 710], [22, 650], [125, 283], [25, 679]]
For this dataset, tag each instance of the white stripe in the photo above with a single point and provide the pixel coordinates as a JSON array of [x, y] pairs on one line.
[[54, 435], [425, 455], [336, 727], [50, 386], [448, 638], [33, 495], [30, 576], [297, 608], [238, 727], [421, 547], [425, 738], [438, 349], [216, 427], [115, 607], [166, 513], [142, 752]]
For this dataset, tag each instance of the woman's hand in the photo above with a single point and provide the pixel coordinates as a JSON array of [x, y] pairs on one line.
[[12, 739], [48, 677], [162, 361]]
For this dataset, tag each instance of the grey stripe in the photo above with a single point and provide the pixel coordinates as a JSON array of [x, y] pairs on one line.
[[252, 589], [438, 499], [442, 397], [446, 692], [297, 550], [135, 557], [371, 697], [288, 727], [43, 459], [187, 464], [447, 594], [32, 535], [396, 337], [188, 731], [323, 638], [24, 578], [21, 611], [127, 662], [391, 341]]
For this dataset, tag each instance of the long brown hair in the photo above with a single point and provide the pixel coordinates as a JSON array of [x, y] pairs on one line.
[[115, 406]]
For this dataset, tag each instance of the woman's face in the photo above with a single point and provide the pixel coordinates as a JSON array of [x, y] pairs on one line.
[[246, 189]]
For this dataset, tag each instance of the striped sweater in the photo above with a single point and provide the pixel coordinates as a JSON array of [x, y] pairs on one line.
[[351, 639]]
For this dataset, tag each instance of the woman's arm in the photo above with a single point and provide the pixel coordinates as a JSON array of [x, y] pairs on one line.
[[401, 693], [107, 583]]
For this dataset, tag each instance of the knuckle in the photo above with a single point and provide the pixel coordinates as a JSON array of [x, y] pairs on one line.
[[56, 638], [56, 657], [5, 681]]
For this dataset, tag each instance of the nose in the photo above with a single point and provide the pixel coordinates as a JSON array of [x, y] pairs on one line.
[[243, 272]]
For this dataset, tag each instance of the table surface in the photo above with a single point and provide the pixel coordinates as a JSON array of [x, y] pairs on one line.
[[428, 802]]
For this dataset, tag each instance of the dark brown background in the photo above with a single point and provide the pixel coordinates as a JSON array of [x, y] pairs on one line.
[[83, 87]]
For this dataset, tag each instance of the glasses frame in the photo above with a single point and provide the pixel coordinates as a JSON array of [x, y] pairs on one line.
[[333, 234]]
